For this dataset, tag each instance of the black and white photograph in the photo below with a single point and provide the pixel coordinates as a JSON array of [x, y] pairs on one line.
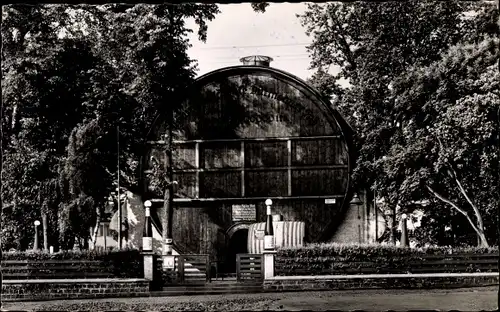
[[250, 156]]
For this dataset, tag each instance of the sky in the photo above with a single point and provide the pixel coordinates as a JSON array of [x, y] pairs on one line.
[[238, 31]]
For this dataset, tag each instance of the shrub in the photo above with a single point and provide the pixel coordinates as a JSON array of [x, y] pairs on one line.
[[122, 263], [334, 258]]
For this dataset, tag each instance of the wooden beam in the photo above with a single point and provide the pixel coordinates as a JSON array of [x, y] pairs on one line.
[[197, 165], [180, 200], [242, 162], [318, 167], [289, 148], [323, 167], [325, 137]]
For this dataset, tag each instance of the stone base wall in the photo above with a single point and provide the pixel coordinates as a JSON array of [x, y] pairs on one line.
[[382, 282], [31, 290]]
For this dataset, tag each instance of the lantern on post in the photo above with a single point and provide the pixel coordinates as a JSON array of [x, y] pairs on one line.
[[35, 245], [357, 202], [404, 231]]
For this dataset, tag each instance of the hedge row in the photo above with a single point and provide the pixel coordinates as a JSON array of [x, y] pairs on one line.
[[71, 255], [123, 263], [321, 259], [368, 250]]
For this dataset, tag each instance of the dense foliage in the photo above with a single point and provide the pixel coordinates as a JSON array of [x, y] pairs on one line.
[[62, 119], [123, 263], [77, 81], [368, 250], [414, 70], [449, 145], [321, 259], [71, 255]]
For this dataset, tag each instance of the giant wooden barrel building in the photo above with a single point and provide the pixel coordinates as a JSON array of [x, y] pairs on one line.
[[244, 134]]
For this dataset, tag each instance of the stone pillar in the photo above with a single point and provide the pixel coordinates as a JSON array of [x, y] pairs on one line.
[[268, 266], [148, 265]]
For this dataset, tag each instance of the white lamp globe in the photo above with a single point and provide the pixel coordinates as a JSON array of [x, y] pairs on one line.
[[269, 202]]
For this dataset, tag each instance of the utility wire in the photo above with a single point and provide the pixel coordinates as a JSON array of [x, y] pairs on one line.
[[256, 46], [276, 58], [236, 61]]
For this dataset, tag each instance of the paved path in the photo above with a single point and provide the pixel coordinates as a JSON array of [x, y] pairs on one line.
[[471, 299]]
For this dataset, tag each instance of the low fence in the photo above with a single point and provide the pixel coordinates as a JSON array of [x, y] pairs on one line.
[[249, 267], [188, 270], [456, 263], [55, 269], [449, 263], [72, 265]]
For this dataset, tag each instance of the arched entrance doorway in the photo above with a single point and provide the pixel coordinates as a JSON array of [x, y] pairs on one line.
[[237, 244]]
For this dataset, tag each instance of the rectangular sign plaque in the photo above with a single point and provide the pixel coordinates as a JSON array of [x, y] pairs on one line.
[[169, 262], [244, 212], [330, 201]]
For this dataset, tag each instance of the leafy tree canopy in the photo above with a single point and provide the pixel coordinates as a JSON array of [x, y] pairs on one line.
[[60, 117], [414, 68], [75, 80]]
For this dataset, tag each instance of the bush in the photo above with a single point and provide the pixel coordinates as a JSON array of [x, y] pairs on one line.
[[369, 250], [334, 258], [122, 263]]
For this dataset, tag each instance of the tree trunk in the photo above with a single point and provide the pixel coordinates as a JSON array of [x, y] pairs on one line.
[[393, 227], [166, 217], [391, 224], [168, 196], [45, 230], [391, 232], [85, 243], [19, 243], [478, 228], [96, 228], [482, 241]]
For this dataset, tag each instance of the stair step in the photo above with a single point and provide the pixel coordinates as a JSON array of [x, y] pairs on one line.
[[204, 292], [175, 288]]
